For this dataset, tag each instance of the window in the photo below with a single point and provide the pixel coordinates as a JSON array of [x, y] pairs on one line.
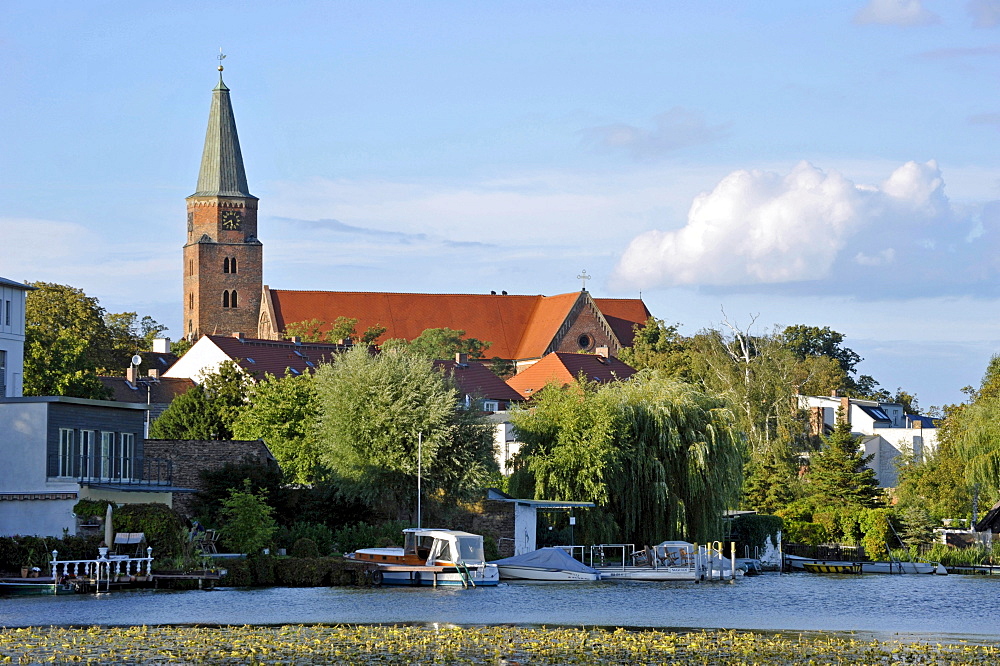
[[225, 265], [3, 372], [106, 464], [190, 266], [65, 452], [225, 299], [7, 312], [233, 300], [87, 466], [491, 406], [584, 341], [232, 265], [191, 301], [127, 440]]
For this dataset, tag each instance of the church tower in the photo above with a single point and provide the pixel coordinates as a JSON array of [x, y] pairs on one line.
[[223, 260]]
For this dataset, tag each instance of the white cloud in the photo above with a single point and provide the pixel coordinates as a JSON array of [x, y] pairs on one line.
[[985, 13], [820, 231], [672, 130], [895, 12]]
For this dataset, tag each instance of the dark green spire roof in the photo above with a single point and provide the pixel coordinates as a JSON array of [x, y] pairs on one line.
[[222, 172]]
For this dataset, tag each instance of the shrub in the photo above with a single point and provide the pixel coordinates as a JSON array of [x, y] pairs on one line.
[[316, 532], [163, 527], [362, 535], [87, 508], [754, 530], [249, 524], [304, 547]]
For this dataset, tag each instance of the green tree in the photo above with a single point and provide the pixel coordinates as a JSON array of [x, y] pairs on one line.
[[128, 334], [66, 342], [372, 334], [502, 367], [805, 341], [661, 459], [191, 415], [658, 346], [284, 415], [248, 522], [310, 330], [371, 411], [936, 484], [227, 388], [838, 474], [441, 343]]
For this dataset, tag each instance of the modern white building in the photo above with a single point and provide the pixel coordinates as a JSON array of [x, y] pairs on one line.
[[58, 450], [886, 430], [13, 296]]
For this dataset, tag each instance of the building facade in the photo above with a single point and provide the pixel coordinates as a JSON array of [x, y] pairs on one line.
[[13, 296]]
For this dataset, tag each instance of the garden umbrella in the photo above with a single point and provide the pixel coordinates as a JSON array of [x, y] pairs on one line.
[[109, 531]]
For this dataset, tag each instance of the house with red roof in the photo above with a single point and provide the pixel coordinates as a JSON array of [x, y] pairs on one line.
[[255, 357], [563, 368]]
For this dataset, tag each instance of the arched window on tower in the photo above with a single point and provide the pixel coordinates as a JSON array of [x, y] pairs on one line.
[[191, 301], [225, 265], [233, 301], [190, 266], [232, 265], [225, 299]]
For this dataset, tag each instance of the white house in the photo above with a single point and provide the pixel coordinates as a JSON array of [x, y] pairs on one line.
[[885, 429], [12, 300]]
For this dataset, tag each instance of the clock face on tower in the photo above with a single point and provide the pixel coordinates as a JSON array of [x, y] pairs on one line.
[[232, 220]]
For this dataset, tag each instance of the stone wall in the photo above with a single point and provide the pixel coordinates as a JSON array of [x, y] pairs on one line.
[[495, 520], [191, 457]]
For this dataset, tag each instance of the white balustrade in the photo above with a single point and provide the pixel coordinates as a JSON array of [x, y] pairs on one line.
[[106, 569]]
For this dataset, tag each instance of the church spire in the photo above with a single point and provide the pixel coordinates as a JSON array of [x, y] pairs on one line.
[[222, 173]]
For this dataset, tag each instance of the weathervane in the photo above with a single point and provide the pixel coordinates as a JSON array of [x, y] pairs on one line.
[[221, 57], [583, 276]]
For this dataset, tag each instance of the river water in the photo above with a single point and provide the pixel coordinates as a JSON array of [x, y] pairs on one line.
[[907, 606]]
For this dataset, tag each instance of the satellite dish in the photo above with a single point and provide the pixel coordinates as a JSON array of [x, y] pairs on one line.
[[136, 360]]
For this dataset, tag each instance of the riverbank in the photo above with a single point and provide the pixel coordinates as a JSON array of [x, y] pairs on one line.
[[354, 644]]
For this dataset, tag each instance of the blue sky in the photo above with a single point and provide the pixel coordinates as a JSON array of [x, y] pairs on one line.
[[779, 162]]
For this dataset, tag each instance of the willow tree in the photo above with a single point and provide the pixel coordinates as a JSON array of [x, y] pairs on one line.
[[972, 433], [658, 457], [371, 410]]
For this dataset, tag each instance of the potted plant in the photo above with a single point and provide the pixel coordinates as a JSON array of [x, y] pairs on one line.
[[28, 562], [102, 551]]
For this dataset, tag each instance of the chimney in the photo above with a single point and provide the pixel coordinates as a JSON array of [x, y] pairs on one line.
[[237, 335], [834, 393], [153, 373], [602, 351], [296, 340], [130, 374], [461, 358], [845, 405], [816, 420], [161, 345]]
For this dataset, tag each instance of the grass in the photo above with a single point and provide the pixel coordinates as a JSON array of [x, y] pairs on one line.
[[350, 644]]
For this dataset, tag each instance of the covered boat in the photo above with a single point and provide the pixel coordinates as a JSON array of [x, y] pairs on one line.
[[432, 557], [546, 564]]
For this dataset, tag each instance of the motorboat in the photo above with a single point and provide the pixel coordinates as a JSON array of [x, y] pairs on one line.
[[432, 557], [795, 562], [546, 564]]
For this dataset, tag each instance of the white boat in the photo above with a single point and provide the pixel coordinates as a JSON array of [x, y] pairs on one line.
[[546, 564], [797, 563], [432, 557]]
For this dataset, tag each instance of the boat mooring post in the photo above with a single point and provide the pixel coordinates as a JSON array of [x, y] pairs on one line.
[[732, 557], [420, 448]]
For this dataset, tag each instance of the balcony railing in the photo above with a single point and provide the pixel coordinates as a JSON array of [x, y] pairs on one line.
[[117, 470]]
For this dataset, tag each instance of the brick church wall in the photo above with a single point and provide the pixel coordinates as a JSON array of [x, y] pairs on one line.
[[191, 457], [586, 323]]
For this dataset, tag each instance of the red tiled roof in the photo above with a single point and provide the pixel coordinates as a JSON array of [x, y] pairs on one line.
[[517, 326], [564, 367], [161, 391], [622, 314], [474, 378], [260, 357]]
